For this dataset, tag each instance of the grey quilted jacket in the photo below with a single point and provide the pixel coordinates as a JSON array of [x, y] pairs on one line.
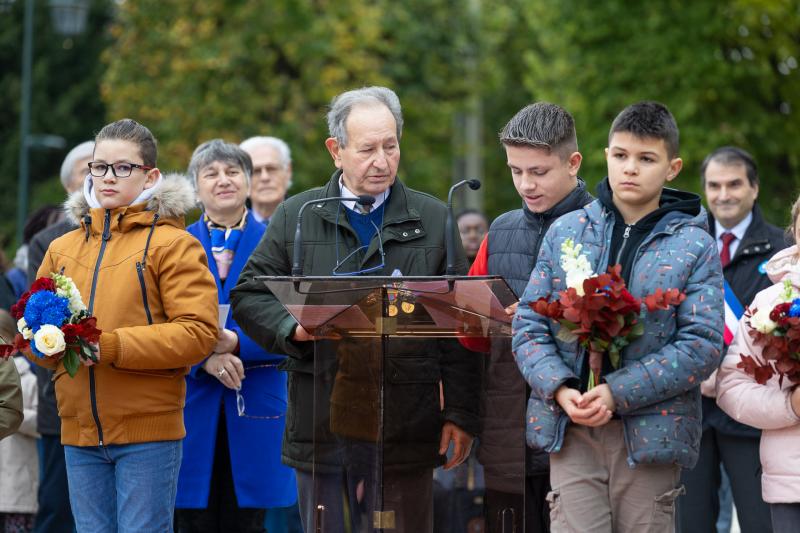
[[656, 389]]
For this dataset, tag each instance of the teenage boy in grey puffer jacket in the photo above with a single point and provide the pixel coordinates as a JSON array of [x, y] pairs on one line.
[[617, 449]]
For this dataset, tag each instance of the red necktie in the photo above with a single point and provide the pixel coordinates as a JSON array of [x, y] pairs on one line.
[[725, 254]]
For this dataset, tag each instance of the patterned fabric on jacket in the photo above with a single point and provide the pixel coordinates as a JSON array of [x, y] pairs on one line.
[[656, 390]]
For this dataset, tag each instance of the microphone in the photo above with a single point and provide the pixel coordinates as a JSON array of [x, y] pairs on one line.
[[297, 252], [449, 226]]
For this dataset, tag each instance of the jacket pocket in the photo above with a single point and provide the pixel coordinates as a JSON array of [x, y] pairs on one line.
[[556, 512], [160, 373], [412, 370]]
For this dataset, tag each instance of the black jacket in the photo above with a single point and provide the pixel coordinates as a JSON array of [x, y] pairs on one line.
[[746, 277], [513, 243], [350, 374]]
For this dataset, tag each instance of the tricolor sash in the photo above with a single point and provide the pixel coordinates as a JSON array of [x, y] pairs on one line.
[[733, 313]]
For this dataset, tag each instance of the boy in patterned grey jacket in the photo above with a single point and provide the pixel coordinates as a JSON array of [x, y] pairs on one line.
[[617, 449]]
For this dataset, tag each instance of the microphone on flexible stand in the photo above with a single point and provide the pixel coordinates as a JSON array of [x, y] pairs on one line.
[[297, 252], [449, 231]]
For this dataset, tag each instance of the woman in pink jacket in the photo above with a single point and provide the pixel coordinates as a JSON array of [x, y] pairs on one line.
[[771, 407]]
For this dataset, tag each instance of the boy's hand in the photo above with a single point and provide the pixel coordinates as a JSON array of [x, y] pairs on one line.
[[796, 401], [592, 414], [462, 442], [602, 393]]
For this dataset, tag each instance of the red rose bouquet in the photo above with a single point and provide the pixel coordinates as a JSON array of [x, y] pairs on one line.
[[597, 310]]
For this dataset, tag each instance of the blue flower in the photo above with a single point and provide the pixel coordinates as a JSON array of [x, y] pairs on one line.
[[45, 307], [794, 310]]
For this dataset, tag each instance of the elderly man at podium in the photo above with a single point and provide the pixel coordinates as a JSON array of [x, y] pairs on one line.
[[369, 418]]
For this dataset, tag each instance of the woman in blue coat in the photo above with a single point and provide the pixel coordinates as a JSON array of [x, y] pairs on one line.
[[236, 398]]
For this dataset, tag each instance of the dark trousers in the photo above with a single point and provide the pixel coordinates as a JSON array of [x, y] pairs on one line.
[[699, 508], [785, 517], [408, 493], [506, 509], [55, 514], [223, 513]]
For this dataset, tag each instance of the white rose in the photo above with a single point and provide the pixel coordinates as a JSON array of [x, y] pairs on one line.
[[21, 325], [575, 280], [761, 322], [49, 340], [27, 334]]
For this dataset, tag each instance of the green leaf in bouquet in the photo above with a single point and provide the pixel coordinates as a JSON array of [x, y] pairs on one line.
[[565, 335], [599, 345], [637, 330], [613, 355], [71, 362], [87, 352]]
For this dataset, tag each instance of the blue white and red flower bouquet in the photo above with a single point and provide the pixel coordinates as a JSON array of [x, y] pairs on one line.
[[53, 321]]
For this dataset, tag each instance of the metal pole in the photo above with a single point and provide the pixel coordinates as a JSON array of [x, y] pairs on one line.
[[25, 120]]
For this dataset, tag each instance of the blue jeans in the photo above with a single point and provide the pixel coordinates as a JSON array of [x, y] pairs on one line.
[[124, 488]]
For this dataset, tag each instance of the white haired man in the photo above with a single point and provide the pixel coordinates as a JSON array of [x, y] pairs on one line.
[[272, 174]]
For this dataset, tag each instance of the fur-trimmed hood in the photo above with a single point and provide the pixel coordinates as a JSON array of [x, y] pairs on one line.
[[174, 198]]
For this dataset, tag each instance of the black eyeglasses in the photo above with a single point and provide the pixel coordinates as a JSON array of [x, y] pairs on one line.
[[120, 170], [356, 251]]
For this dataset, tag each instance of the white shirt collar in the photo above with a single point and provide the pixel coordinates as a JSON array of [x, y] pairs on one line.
[[738, 230], [351, 204]]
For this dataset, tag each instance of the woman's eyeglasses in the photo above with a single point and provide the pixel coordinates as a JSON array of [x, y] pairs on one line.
[[120, 170]]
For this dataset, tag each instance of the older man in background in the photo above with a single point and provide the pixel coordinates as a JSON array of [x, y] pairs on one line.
[[272, 174], [745, 241]]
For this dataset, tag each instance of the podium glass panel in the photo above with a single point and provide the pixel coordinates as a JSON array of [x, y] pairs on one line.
[[392, 373]]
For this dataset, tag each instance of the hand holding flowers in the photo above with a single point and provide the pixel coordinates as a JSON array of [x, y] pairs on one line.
[[53, 322]]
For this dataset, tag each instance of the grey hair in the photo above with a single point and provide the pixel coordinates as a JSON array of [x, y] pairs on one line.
[[219, 150], [345, 102], [276, 143], [542, 125], [82, 151]]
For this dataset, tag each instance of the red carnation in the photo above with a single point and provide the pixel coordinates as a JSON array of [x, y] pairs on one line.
[[43, 284]]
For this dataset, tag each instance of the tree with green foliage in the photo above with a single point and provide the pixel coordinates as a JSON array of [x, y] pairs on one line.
[[65, 97], [728, 71], [193, 71]]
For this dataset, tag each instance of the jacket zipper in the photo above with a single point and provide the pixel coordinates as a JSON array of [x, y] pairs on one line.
[[624, 242], [539, 235], [625, 432], [92, 380]]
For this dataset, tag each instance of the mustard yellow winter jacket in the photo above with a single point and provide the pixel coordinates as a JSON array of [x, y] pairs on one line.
[[147, 281]]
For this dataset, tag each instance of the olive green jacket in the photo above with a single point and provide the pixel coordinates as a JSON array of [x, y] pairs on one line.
[[10, 398], [347, 393]]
